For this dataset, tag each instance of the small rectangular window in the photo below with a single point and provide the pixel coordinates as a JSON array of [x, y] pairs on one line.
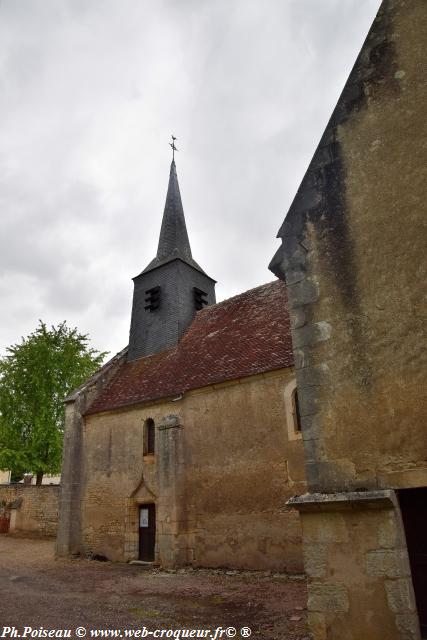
[[149, 436]]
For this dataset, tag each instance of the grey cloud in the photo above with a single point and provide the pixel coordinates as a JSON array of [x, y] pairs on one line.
[[91, 92]]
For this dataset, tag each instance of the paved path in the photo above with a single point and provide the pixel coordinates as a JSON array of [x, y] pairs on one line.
[[38, 591]]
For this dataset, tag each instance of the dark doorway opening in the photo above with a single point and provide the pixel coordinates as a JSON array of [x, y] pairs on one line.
[[413, 505], [147, 532]]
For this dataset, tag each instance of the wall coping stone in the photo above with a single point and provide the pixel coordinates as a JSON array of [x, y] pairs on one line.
[[25, 487], [344, 501]]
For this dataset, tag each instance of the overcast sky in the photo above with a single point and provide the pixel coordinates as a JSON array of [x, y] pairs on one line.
[[91, 91]]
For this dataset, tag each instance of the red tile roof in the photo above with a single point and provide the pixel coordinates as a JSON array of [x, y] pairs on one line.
[[238, 337]]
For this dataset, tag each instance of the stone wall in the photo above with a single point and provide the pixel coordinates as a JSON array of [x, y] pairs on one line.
[[68, 539], [220, 477], [353, 256], [30, 508]]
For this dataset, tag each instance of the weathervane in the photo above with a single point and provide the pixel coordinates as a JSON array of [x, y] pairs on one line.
[[172, 144]]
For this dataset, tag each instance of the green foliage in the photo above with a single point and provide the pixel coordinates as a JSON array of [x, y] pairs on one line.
[[35, 377]]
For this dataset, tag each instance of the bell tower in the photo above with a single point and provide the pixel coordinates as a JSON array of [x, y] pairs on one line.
[[169, 291]]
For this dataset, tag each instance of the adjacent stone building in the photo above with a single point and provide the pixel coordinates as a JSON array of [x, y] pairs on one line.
[[30, 509], [184, 448], [354, 258]]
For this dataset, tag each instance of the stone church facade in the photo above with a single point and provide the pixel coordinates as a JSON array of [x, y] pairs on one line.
[[184, 448], [353, 256]]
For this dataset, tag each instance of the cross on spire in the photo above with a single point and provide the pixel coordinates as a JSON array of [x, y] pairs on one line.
[[172, 144]]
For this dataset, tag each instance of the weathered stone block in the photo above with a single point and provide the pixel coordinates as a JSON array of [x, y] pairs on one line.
[[408, 625], [312, 334], [313, 376], [400, 595], [295, 275], [324, 528], [387, 562], [298, 318], [328, 598], [302, 358], [302, 293], [388, 533], [315, 559], [290, 260], [309, 401], [311, 428], [317, 625]]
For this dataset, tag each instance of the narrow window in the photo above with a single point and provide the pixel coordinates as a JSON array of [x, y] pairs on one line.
[[297, 416], [292, 409], [149, 436]]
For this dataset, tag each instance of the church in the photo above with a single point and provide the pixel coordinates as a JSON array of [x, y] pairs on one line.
[[184, 448]]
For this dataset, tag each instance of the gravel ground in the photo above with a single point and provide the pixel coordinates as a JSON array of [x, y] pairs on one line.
[[38, 590]]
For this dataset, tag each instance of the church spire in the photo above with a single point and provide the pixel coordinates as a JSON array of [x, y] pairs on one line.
[[169, 292], [173, 240]]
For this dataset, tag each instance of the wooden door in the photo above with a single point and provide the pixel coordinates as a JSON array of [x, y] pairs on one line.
[[147, 532], [413, 504]]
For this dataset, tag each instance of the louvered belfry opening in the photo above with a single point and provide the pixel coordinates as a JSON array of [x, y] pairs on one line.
[[152, 299], [200, 298]]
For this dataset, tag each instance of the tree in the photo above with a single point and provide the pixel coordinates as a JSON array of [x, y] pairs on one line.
[[35, 377]]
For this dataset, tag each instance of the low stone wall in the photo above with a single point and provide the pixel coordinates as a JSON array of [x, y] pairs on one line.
[[31, 508]]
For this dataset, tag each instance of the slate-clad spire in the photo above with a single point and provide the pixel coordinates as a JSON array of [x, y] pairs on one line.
[[173, 240], [173, 287]]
